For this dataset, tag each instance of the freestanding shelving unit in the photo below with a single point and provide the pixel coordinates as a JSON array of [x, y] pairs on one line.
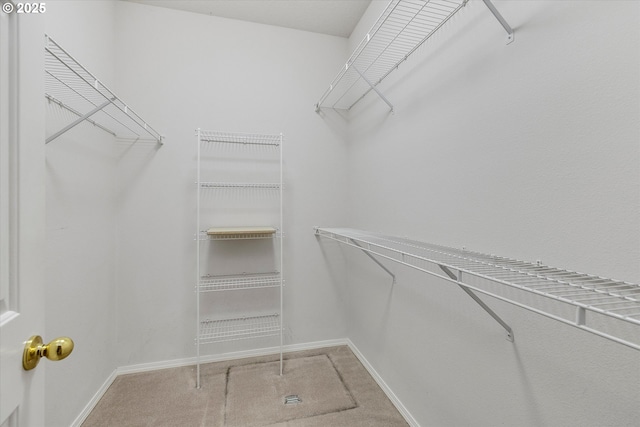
[[604, 307], [224, 155]]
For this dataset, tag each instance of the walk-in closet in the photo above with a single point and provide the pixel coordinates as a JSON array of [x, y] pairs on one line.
[[320, 213]]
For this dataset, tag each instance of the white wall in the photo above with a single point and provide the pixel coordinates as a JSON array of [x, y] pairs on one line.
[[80, 215], [121, 216], [530, 151], [186, 71]]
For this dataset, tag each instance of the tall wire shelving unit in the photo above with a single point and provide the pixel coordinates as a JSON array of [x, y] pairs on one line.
[[214, 329]]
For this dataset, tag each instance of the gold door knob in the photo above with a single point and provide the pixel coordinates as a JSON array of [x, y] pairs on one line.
[[57, 349]]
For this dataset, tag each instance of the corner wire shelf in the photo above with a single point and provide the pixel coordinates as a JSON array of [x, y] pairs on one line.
[[598, 304], [72, 87], [212, 331], [210, 283], [401, 29]]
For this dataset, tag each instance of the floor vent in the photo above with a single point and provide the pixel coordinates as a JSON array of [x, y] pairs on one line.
[[292, 399]]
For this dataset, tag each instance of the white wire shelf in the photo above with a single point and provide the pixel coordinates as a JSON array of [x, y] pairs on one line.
[[248, 185], [591, 298], [234, 282], [240, 138], [71, 86], [401, 29], [212, 331]]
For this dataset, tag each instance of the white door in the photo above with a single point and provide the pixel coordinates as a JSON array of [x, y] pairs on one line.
[[22, 220]]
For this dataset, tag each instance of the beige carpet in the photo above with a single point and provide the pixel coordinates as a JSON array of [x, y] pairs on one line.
[[334, 388], [259, 389]]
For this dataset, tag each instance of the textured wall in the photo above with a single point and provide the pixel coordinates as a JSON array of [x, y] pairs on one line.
[[121, 215], [80, 215], [187, 71], [530, 151]]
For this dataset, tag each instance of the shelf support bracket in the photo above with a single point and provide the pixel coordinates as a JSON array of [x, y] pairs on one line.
[[500, 19], [78, 121], [66, 107], [486, 308], [374, 88], [393, 276]]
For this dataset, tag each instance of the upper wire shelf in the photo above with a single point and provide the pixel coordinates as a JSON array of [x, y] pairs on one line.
[[240, 138], [590, 298], [71, 86], [401, 29]]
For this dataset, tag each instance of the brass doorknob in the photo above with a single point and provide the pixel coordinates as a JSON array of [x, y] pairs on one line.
[[57, 349]]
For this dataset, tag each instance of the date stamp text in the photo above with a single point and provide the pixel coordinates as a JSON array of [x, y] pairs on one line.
[[26, 8]]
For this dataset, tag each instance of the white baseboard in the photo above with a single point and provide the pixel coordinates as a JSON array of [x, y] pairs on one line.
[[94, 400], [387, 390], [145, 367]]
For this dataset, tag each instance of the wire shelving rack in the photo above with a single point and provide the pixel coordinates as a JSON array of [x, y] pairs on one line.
[[604, 307], [251, 326], [401, 29], [72, 87]]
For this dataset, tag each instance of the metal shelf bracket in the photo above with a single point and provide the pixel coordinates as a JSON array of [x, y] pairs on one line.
[[78, 121], [375, 89], [503, 22], [393, 276], [475, 297]]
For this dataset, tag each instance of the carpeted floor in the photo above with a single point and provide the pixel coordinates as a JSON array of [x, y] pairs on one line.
[[333, 386]]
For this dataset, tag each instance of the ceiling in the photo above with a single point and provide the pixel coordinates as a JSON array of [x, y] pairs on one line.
[[333, 17]]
